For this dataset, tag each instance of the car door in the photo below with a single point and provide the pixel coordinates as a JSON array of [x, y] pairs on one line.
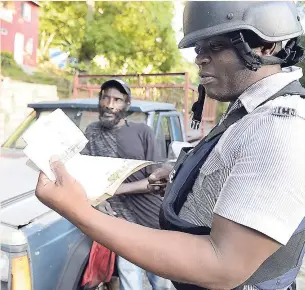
[[167, 128]]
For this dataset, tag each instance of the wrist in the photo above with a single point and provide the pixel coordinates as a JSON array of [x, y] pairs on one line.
[[78, 212], [86, 219]]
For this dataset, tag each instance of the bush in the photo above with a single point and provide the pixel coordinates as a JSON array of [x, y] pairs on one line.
[[63, 83], [9, 66], [47, 76], [7, 59]]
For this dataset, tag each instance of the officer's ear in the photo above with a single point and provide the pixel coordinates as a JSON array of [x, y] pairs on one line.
[[266, 50], [269, 49]]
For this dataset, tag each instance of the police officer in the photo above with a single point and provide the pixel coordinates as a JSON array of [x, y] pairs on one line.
[[234, 207]]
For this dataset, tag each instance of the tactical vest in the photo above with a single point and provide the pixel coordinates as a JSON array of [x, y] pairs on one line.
[[280, 269]]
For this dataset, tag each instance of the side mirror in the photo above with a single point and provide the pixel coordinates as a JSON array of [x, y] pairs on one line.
[[175, 148]]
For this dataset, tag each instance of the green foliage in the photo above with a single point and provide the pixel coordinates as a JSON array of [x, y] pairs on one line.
[[221, 108], [10, 68], [130, 36], [61, 24], [7, 61]]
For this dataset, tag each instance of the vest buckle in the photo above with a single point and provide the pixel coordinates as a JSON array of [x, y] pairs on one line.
[[172, 176]]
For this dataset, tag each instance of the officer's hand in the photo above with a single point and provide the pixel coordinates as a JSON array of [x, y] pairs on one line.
[[65, 195], [158, 179]]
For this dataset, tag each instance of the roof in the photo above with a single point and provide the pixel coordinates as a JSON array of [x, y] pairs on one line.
[[92, 104], [36, 3]]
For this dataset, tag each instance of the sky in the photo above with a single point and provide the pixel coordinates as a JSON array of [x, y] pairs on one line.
[[188, 53]]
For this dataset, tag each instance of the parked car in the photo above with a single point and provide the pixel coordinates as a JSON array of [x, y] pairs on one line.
[[40, 250]]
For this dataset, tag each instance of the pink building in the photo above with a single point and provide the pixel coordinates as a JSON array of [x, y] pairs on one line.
[[19, 30]]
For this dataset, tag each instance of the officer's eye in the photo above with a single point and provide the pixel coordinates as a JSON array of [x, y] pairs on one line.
[[217, 46], [198, 49]]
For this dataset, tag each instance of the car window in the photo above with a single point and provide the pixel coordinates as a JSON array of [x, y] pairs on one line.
[[20, 143], [177, 131], [87, 117], [164, 136], [156, 118], [137, 117]]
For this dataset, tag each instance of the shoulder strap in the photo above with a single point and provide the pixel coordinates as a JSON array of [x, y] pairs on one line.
[[294, 88]]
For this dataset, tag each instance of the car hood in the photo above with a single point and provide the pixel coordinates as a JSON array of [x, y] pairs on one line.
[[19, 205], [15, 176]]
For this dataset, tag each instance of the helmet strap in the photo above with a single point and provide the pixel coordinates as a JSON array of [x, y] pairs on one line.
[[252, 60], [197, 108], [292, 53]]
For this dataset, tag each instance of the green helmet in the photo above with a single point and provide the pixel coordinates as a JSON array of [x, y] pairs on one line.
[[272, 21]]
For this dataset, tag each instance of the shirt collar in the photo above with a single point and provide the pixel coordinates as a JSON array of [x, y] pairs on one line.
[[259, 92]]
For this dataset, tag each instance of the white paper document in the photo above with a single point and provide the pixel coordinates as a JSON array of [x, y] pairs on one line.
[[56, 134]]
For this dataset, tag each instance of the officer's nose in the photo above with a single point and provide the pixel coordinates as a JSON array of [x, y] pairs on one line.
[[202, 59]]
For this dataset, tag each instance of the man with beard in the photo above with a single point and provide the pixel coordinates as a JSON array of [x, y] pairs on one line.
[[114, 136]]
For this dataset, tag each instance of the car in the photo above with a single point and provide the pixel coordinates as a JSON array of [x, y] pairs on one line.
[[40, 250]]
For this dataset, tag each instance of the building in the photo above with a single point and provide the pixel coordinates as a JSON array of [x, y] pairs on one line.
[[19, 30]]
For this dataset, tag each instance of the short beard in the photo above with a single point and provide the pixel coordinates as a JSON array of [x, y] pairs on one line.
[[109, 124]]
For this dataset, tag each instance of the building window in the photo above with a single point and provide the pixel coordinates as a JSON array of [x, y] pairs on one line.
[[8, 5], [3, 31], [26, 11], [29, 46], [7, 11]]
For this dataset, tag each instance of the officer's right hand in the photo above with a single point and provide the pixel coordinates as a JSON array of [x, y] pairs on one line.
[[65, 195], [158, 179]]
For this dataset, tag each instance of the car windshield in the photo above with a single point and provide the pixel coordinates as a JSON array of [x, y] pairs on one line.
[[16, 141], [81, 118], [20, 143]]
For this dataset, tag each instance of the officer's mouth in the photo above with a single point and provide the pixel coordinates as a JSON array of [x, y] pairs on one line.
[[206, 79]]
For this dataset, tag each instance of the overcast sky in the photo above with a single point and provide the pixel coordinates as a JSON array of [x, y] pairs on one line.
[[188, 53]]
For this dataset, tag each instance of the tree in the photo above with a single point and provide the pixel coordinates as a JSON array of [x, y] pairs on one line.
[[130, 36], [62, 24]]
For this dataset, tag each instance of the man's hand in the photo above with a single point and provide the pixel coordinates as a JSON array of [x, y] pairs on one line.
[[106, 208], [158, 179], [65, 194]]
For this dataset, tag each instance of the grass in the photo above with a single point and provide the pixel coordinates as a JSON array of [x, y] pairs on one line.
[[9, 68]]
